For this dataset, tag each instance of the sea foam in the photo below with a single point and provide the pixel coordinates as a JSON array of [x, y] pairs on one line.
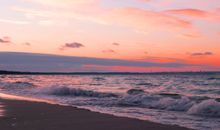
[[209, 108], [66, 91], [155, 101], [16, 85]]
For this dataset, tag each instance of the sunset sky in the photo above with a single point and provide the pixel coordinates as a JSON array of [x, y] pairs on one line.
[[170, 35]]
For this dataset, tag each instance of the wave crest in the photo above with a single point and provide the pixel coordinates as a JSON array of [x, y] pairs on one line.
[[17, 85], [153, 101], [66, 91], [209, 108]]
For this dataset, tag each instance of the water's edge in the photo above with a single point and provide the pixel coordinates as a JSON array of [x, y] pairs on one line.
[[6, 96]]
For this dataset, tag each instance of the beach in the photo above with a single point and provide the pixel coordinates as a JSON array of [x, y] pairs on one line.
[[146, 97], [29, 115], [109, 65]]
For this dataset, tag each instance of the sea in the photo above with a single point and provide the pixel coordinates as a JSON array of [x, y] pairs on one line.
[[190, 100]]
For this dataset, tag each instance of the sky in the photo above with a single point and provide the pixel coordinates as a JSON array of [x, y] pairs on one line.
[[141, 35]]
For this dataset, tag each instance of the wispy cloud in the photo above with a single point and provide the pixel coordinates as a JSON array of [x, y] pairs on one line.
[[27, 44], [143, 0], [189, 12], [5, 40], [108, 51], [197, 13], [161, 59], [14, 21], [202, 54], [62, 3], [116, 44], [135, 18], [46, 22], [72, 45], [191, 35], [144, 19]]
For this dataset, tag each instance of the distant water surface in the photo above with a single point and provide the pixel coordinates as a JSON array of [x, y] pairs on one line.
[[189, 100]]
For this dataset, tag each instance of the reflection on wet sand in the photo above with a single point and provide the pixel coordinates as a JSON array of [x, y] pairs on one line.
[[14, 97]]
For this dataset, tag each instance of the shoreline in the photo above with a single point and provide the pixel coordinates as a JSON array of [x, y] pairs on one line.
[[31, 115]]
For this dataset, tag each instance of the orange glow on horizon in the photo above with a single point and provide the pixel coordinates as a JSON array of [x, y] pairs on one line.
[[152, 31]]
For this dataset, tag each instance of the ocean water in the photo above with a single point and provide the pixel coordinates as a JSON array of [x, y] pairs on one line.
[[189, 100], [1, 110]]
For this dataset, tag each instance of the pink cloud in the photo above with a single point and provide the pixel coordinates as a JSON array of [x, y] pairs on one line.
[[202, 14], [145, 20], [160, 59], [62, 2], [189, 12], [83, 6], [71, 45], [192, 35], [135, 18], [5, 40], [146, 69], [108, 51], [143, 0], [18, 22]]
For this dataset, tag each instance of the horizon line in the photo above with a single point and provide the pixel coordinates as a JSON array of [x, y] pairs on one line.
[[104, 72]]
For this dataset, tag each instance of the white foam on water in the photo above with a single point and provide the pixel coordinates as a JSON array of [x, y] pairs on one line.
[[174, 100], [67, 91], [210, 108], [16, 85]]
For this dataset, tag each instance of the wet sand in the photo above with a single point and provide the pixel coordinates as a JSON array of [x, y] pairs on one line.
[[29, 115]]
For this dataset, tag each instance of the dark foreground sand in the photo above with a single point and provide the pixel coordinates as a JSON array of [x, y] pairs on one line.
[[26, 115]]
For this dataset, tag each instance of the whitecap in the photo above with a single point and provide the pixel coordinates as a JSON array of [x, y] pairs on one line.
[[17, 85], [66, 91], [209, 108]]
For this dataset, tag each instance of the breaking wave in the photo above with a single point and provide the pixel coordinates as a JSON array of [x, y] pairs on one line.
[[66, 91], [154, 101], [171, 102], [187, 100], [17, 85], [209, 108]]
